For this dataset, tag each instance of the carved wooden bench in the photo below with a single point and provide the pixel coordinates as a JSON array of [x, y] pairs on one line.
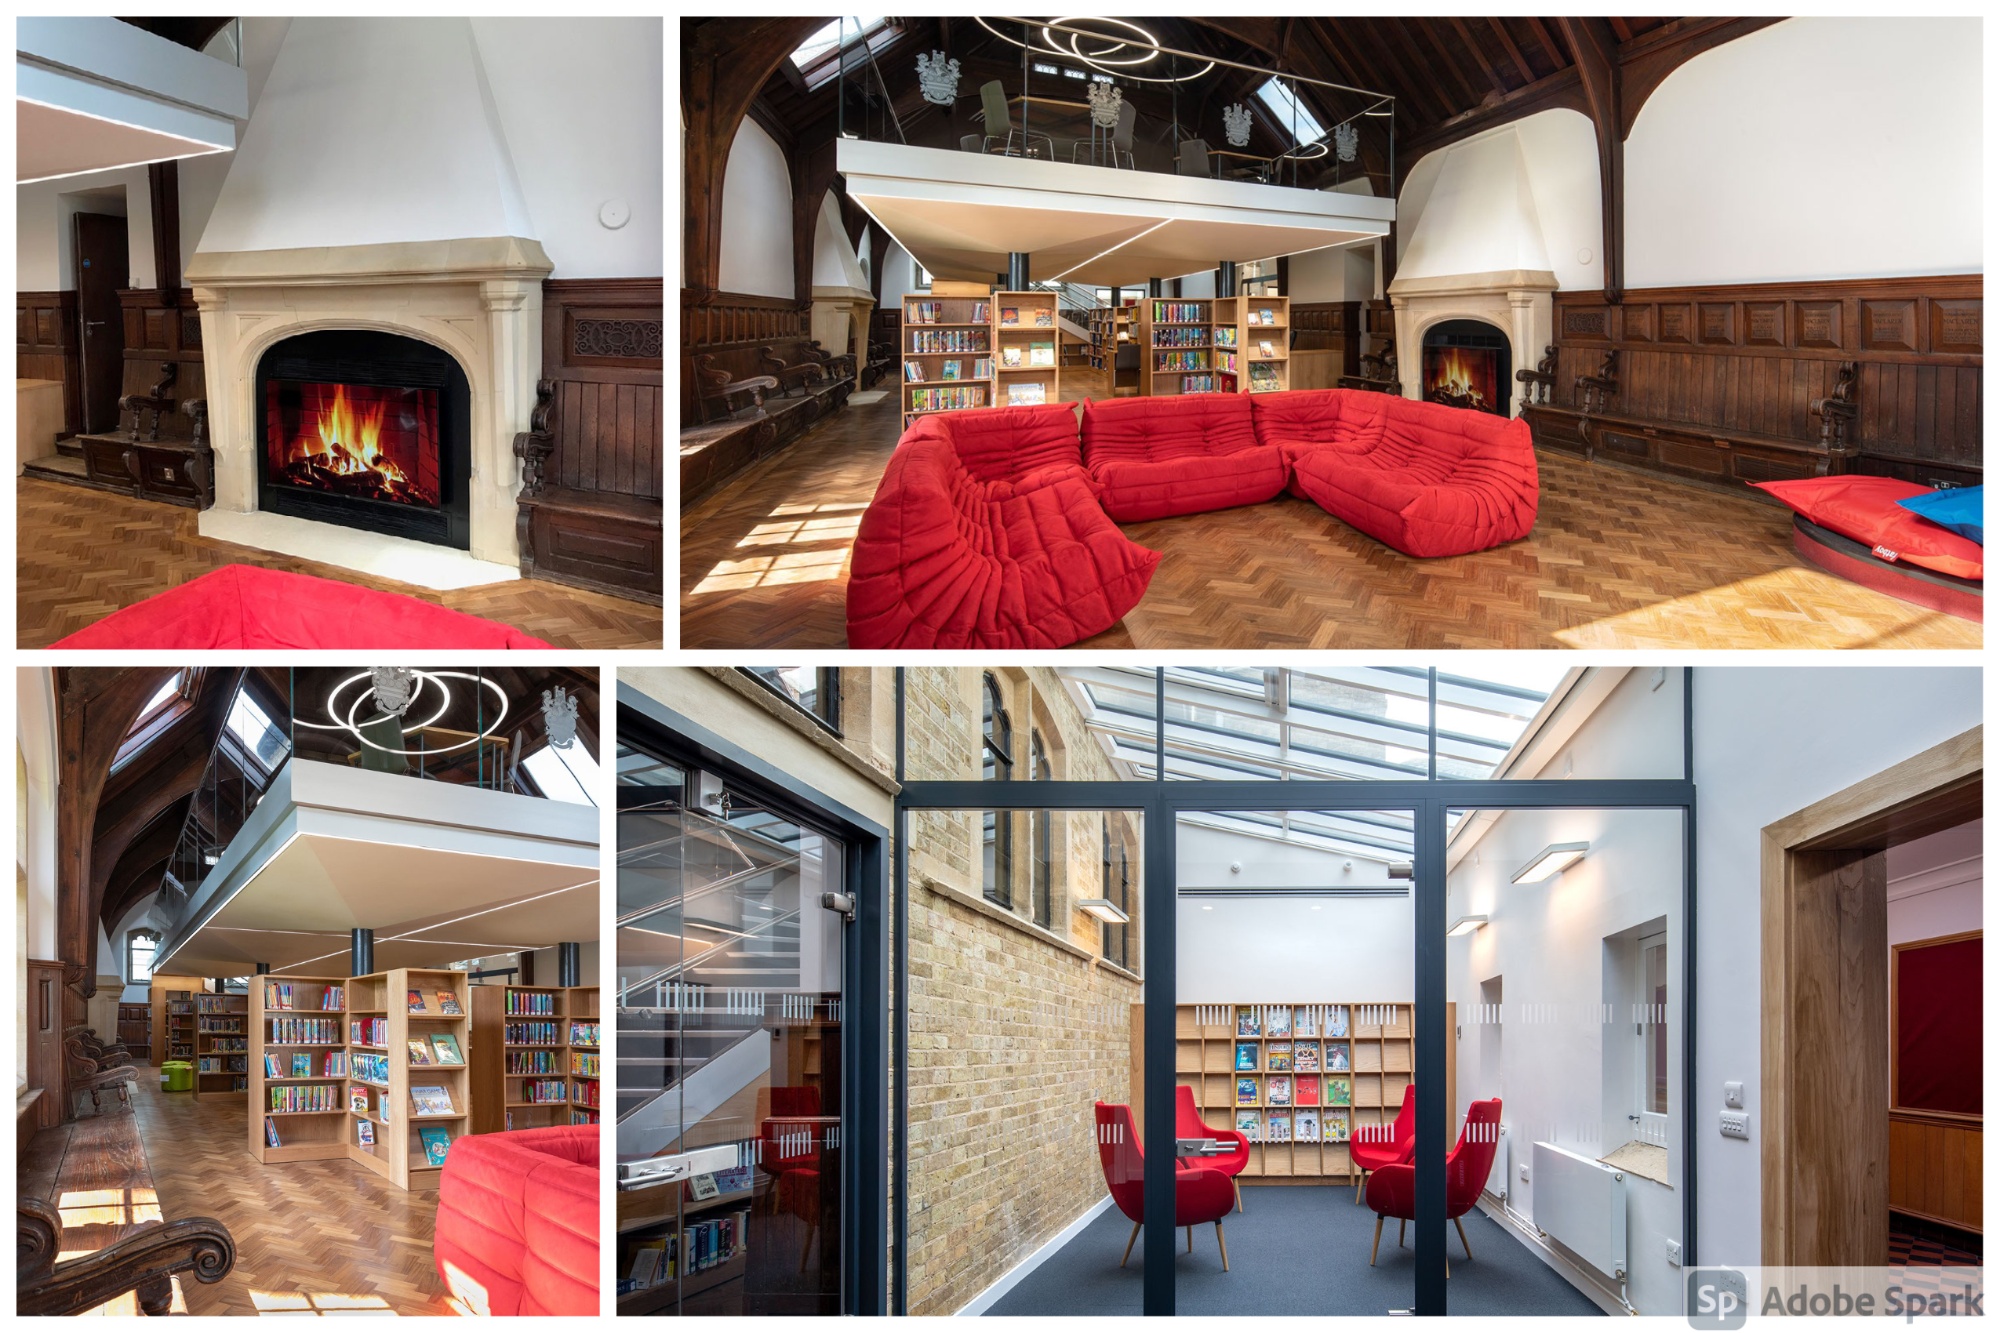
[[600, 539], [93, 1076], [160, 450]]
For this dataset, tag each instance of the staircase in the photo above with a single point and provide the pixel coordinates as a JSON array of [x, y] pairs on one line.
[[1074, 303]]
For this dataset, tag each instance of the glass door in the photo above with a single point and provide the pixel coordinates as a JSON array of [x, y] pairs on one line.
[[730, 1008]]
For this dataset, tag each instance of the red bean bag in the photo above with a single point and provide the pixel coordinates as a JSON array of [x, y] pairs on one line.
[[1158, 457], [1426, 479], [1865, 509], [1013, 556], [248, 606], [517, 1221]]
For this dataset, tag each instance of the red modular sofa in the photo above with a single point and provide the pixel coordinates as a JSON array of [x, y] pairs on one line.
[[987, 533], [517, 1221], [248, 606], [994, 528]]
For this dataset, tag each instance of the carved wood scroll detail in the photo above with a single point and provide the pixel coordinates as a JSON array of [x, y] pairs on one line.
[[620, 338]]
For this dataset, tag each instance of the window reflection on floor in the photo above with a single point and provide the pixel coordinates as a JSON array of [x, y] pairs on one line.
[[790, 525]]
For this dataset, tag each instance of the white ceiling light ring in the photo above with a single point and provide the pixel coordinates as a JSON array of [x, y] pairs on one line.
[[1102, 57], [485, 733], [1122, 71]]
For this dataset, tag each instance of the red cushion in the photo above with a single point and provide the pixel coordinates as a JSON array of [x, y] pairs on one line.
[[1865, 509], [1010, 443], [1428, 480], [1157, 457], [944, 559], [248, 606], [517, 1215]]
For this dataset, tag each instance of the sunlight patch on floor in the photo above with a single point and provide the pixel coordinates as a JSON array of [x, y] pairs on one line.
[[790, 525], [1786, 608], [317, 1303], [766, 571]]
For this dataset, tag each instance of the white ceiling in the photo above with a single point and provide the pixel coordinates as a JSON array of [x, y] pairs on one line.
[[51, 141]]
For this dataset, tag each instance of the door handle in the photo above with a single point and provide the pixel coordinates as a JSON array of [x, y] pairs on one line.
[[94, 323]]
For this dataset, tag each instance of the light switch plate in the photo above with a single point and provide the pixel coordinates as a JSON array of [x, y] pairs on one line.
[[1735, 1125], [1674, 1253], [1732, 1095]]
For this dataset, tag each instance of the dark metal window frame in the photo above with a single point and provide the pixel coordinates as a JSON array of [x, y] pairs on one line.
[[1159, 802], [648, 726], [826, 695]]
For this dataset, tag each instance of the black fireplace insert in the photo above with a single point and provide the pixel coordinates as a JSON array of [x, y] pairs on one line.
[[1468, 364], [366, 430]]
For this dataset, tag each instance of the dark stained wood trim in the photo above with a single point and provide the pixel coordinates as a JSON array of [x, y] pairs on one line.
[[46, 347], [164, 182], [1596, 51]]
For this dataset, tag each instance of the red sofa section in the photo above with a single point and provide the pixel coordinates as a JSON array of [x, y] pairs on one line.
[[987, 533], [1426, 479], [517, 1221], [248, 606], [1160, 457]]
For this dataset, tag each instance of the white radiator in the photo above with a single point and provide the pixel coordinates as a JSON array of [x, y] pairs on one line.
[[1581, 1202], [1497, 1178]]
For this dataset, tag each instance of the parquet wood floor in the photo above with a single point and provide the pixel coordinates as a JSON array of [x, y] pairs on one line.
[[312, 1228], [1618, 559], [83, 554]]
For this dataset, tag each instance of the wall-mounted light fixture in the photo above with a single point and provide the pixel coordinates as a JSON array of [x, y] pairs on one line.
[[1466, 925], [1104, 910], [1551, 861]]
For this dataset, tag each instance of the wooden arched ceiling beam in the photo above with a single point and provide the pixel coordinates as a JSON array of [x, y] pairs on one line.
[[1595, 48], [141, 866]]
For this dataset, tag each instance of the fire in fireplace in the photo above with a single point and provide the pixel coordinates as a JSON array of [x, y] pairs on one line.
[[367, 430], [362, 440], [1466, 364]]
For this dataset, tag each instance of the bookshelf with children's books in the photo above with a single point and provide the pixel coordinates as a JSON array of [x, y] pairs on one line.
[[1260, 338], [529, 1044], [947, 354], [221, 1045], [1109, 326], [1177, 352], [1025, 336], [173, 1017], [298, 1068], [409, 1092], [1285, 1069]]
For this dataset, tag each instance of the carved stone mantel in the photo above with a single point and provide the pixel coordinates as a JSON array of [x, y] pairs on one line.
[[838, 312], [480, 299], [1519, 301]]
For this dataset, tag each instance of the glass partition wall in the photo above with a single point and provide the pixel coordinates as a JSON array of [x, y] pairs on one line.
[[1351, 790]]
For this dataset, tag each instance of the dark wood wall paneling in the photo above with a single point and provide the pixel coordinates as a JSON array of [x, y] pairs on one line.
[[46, 348], [592, 510], [1719, 382], [162, 326], [732, 326]]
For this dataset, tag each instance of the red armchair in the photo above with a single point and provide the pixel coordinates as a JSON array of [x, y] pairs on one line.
[[517, 1221], [792, 1138], [1188, 1125], [1200, 1195], [1376, 1146], [1393, 1190]]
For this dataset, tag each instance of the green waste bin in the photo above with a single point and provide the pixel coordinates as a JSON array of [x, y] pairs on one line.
[[177, 1075]]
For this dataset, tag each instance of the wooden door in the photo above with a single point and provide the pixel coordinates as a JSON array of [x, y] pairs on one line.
[[45, 1055], [102, 269]]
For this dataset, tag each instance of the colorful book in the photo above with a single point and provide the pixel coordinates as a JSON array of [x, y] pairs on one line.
[[446, 1047], [302, 1064], [1246, 1092], [273, 1067], [1278, 1127], [1305, 1057], [420, 1054], [1010, 356], [1042, 354], [1278, 1023], [1278, 1057], [1247, 1022], [951, 370], [1305, 1023], [1307, 1089], [1339, 1092], [448, 1003], [364, 1133], [357, 1099], [1335, 1128], [1278, 1092], [1045, 318], [430, 1100], [1022, 395], [1336, 1057], [913, 372], [417, 1002], [1246, 1057], [1248, 1125], [437, 1142], [1010, 314], [1336, 1022], [271, 1133], [1306, 1125]]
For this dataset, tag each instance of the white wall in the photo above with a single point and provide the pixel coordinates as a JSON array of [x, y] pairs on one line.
[[1337, 273], [201, 177], [1524, 196], [1770, 741], [1934, 884], [35, 714], [1816, 148], [44, 237], [756, 256], [834, 261]]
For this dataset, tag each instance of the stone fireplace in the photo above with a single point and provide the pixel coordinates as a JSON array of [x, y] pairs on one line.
[[363, 401], [1516, 306]]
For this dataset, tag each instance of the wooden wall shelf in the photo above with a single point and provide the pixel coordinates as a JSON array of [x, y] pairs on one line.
[[509, 1090], [221, 1045]]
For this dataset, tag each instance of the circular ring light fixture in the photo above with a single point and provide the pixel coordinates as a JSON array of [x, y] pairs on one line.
[[436, 679], [1103, 63]]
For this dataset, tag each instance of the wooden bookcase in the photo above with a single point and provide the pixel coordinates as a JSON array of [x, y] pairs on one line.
[[172, 1000], [1374, 1039], [1026, 338], [221, 1038], [1177, 347], [290, 1017], [1258, 371], [585, 1032], [940, 332], [398, 1150], [1109, 326], [506, 1036]]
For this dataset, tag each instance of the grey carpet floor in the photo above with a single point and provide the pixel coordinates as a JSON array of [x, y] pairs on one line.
[[1293, 1250]]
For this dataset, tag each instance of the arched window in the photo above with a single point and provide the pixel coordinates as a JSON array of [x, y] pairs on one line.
[[996, 856], [1041, 838], [140, 948]]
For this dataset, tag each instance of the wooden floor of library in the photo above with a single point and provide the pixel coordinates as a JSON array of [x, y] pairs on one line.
[[326, 1236], [1617, 559]]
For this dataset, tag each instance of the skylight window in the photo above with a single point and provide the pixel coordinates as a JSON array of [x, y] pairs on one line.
[[563, 775], [1290, 112], [835, 36], [159, 713], [253, 727]]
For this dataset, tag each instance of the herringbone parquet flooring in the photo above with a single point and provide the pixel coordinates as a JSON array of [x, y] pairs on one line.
[[301, 1228], [1618, 559], [83, 554]]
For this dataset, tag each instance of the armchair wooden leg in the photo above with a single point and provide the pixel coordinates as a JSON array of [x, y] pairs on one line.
[[1222, 1245], [1190, 1232], [1459, 1222], [805, 1252], [1401, 1222], [1372, 1249], [1129, 1244], [1233, 1184], [1360, 1180]]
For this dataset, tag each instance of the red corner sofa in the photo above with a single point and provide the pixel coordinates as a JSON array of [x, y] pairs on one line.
[[248, 606], [994, 528], [517, 1221]]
